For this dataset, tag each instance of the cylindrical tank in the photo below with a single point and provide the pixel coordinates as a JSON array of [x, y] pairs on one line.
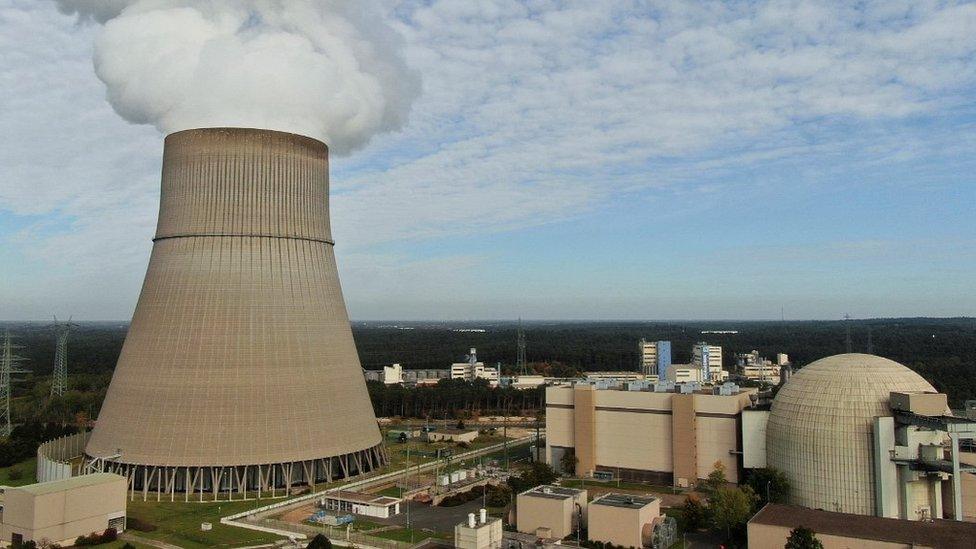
[[240, 351]]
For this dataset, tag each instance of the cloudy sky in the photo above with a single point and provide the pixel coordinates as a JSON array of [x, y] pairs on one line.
[[563, 160]]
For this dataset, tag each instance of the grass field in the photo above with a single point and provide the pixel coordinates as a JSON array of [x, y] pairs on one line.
[[26, 469], [637, 486], [179, 523]]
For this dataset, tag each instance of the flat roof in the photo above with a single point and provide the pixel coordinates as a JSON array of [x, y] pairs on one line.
[[452, 431], [552, 492], [627, 501], [81, 481], [359, 497], [936, 534]]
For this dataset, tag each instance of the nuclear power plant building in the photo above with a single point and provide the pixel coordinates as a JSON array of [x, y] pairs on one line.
[[852, 433], [239, 372]]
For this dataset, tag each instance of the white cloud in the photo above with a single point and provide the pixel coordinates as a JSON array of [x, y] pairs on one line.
[[531, 112]]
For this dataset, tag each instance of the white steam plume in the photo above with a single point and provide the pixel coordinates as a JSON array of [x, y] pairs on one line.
[[330, 69]]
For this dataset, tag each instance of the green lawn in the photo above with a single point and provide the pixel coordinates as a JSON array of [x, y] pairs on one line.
[[26, 469], [610, 485], [179, 523]]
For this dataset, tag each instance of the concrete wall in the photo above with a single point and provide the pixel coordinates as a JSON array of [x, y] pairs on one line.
[[541, 512], [762, 536], [620, 525], [754, 438], [639, 431], [64, 515]]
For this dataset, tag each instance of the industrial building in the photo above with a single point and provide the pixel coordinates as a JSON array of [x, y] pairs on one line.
[[771, 527], [753, 367], [239, 372], [369, 505], [664, 437], [479, 532], [452, 435], [472, 369], [655, 357], [550, 512], [625, 520], [62, 510], [708, 359], [389, 375], [861, 434]]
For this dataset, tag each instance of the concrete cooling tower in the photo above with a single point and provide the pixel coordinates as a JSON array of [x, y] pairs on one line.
[[239, 374]]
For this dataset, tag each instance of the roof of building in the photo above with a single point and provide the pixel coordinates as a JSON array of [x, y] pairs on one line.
[[81, 481], [936, 534], [552, 492], [628, 501], [359, 497]]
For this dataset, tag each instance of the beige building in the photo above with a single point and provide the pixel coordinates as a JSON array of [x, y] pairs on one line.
[[663, 437], [771, 527], [550, 512], [62, 510], [708, 358], [452, 435], [479, 532], [623, 519], [473, 369]]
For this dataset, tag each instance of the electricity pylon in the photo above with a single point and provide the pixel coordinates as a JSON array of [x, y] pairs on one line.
[[9, 365], [59, 381], [520, 365]]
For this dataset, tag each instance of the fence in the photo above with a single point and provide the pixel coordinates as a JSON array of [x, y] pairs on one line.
[[59, 459]]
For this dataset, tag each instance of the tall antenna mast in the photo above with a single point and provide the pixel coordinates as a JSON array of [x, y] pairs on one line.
[[520, 365], [847, 331], [59, 381], [9, 365]]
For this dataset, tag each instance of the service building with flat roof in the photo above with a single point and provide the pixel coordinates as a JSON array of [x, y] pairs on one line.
[[62, 510], [662, 437], [550, 512], [771, 527], [623, 519]]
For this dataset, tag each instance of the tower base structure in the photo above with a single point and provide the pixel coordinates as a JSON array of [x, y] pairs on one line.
[[238, 482]]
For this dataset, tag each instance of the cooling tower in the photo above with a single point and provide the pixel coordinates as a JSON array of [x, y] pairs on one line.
[[239, 373]]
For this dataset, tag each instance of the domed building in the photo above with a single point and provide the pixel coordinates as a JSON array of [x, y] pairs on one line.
[[820, 428]]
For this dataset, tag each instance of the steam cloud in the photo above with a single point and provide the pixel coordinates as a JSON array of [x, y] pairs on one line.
[[330, 69]]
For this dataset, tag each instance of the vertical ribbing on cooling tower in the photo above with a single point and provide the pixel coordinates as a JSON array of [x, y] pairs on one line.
[[240, 350]]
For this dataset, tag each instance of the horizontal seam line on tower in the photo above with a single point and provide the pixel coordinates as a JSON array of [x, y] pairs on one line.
[[191, 235]]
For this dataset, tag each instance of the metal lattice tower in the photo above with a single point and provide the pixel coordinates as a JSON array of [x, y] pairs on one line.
[[59, 380], [520, 364], [9, 365], [847, 334]]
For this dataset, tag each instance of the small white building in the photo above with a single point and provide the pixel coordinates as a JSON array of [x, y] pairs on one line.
[[393, 374], [479, 532], [368, 505]]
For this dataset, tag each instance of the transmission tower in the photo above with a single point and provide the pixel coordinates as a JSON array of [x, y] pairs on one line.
[[59, 381], [520, 357], [9, 366], [847, 333]]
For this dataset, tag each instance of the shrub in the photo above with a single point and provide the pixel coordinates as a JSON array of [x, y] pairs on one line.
[[14, 473]]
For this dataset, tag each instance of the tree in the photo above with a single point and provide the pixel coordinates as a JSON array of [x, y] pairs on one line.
[[802, 537], [568, 462], [460, 424], [319, 542], [693, 513], [716, 479], [768, 481], [730, 509], [535, 474]]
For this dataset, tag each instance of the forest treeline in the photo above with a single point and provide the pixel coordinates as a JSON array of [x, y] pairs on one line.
[[942, 350]]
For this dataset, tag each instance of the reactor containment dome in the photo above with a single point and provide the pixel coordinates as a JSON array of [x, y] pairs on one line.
[[819, 432], [239, 374]]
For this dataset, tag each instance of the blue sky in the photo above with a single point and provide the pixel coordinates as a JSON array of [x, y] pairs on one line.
[[614, 160]]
